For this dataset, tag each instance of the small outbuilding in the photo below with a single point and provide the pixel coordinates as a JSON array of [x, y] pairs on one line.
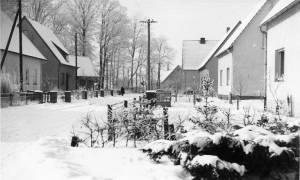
[[86, 72]]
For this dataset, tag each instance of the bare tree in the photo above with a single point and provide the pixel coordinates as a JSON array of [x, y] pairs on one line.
[[163, 54], [84, 15]]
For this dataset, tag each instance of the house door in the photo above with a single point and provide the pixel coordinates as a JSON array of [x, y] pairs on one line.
[[67, 81]]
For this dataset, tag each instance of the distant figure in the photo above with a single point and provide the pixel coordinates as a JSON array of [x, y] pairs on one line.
[[122, 91]]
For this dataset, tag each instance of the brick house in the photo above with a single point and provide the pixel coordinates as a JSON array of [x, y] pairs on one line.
[[281, 28], [86, 72], [193, 54], [57, 72], [32, 58], [241, 58]]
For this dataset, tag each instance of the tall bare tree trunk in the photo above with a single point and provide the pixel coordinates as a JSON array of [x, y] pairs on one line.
[[118, 67]]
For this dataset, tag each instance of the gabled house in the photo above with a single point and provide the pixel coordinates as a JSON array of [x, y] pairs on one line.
[[193, 54], [241, 58], [58, 72], [172, 79], [209, 66], [86, 72], [281, 28], [32, 58]]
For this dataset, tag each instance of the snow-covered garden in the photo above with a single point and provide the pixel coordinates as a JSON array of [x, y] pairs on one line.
[[211, 140]]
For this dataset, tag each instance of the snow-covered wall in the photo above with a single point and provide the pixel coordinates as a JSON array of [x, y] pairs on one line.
[[283, 33], [224, 62]]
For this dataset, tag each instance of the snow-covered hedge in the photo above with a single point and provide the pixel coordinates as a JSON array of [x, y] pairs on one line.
[[250, 150]]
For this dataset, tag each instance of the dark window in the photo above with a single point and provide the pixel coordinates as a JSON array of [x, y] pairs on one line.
[[279, 64], [27, 76], [227, 76], [35, 77]]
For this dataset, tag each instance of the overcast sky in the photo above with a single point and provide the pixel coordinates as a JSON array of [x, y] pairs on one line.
[[180, 20]]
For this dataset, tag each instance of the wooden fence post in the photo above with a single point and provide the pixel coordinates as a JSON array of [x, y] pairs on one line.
[[109, 120], [166, 123]]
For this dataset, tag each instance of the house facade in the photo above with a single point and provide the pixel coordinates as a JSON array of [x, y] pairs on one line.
[[281, 28], [209, 66], [57, 72], [86, 72], [32, 58], [241, 58], [193, 54]]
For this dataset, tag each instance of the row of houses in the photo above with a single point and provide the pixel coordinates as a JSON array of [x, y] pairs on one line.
[[47, 64], [257, 58]]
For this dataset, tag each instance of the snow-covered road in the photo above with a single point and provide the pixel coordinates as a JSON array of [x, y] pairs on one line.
[[31, 122]]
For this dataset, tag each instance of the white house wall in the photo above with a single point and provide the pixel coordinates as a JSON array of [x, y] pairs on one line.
[[224, 62], [284, 33]]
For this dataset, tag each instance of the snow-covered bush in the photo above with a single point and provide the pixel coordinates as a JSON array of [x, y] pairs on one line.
[[7, 84], [91, 130], [139, 123], [249, 150]]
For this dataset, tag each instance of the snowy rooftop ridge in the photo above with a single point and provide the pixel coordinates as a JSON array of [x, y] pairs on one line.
[[28, 48], [219, 44], [279, 8], [166, 74], [85, 64], [50, 39], [193, 53], [242, 27]]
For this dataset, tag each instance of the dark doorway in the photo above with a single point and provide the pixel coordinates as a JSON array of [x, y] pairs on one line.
[[67, 81]]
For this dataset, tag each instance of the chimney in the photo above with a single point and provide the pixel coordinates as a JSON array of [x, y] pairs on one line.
[[227, 29], [202, 40]]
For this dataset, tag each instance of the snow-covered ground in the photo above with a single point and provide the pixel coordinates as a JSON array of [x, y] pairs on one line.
[[35, 142], [52, 158]]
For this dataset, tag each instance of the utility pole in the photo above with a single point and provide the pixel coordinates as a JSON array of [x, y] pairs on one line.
[[76, 86], [20, 45], [148, 21]]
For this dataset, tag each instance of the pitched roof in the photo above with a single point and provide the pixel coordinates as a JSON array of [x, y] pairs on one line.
[[50, 39], [193, 53], [28, 48], [86, 66], [242, 27], [280, 7], [219, 45], [166, 74]]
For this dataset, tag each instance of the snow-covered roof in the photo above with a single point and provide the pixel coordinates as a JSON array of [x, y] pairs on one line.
[[86, 66], [193, 53], [51, 40], [28, 48], [219, 45], [279, 8], [242, 27], [166, 74]]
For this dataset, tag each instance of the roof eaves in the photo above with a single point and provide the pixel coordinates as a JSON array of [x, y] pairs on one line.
[[280, 12], [218, 47]]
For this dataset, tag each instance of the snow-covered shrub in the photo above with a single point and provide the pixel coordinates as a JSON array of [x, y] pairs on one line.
[[7, 84], [91, 130], [212, 167], [207, 111], [251, 149], [139, 123]]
